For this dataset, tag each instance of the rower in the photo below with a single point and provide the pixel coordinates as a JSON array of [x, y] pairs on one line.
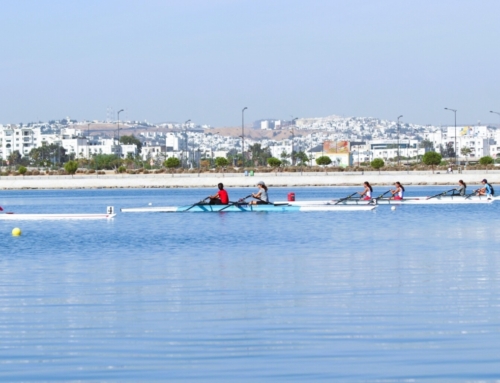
[[461, 188], [486, 190], [261, 195], [398, 193], [221, 197], [366, 194]]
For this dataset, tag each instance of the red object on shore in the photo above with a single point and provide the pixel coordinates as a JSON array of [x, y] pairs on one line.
[[291, 196]]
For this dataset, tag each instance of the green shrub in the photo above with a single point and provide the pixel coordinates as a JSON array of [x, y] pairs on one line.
[[274, 162], [377, 164], [486, 160], [323, 160], [71, 167], [171, 163]]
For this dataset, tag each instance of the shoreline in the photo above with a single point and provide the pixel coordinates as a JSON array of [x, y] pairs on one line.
[[201, 180]]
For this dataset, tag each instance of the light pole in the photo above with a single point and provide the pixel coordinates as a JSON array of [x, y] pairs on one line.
[[293, 138], [398, 139], [243, 136], [121, 110], [186, 141], [455, 112], [88, 140]]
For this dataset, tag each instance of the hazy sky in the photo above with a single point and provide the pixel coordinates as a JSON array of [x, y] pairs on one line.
[[205, 60]]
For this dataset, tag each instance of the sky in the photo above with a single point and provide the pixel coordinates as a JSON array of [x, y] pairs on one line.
[[205, 60]]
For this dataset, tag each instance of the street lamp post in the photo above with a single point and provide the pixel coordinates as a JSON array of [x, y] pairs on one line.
[[293, 137], [455, 112], [243, 136], [119, 146], [186, 141], [398, 139], [121, 110]]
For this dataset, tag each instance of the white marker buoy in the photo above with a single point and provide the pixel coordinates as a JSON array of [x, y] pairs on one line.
[[393, 207]]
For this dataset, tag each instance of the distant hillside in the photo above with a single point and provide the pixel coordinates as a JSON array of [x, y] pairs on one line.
[[258, 134]]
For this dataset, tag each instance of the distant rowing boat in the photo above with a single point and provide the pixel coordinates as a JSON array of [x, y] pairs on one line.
[[285, 207], [68, 216], [406, 201]]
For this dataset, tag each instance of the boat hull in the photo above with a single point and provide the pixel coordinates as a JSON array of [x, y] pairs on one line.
[[38, 217], [246, 208], [406, 201]]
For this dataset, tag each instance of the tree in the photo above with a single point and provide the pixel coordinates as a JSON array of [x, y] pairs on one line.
[[377, 164], [220, 162], [22, 170], [284, 157], [172, 162], [71, 167], [131, 140], [273, 162], [259, 155], [323, 160], [302, 158], [465, 151], [486, 160], [48, 154], [448, 150], [432, 159], [106, 161], [427, 145], [14, 158]]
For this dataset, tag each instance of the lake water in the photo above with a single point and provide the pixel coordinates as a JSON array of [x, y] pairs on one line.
[[404, 295]]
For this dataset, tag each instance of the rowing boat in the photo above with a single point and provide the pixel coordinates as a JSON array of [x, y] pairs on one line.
[[285, 207], [110, 213], [406, 201]]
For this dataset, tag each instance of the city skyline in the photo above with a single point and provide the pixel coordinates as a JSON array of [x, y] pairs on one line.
[[206, 60]]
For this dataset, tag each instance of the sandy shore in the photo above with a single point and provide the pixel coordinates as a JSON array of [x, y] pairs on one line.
[[112, 180]]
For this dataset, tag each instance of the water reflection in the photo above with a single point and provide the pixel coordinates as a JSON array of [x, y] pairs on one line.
[[390, 295]]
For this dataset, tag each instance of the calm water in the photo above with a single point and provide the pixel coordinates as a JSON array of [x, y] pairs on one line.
[[323, 296]]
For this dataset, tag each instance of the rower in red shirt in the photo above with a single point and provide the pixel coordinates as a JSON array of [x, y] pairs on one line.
[[221, 197]]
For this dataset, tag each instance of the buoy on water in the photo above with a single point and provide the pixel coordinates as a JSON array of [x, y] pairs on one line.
[[16, 232], [393, 207]]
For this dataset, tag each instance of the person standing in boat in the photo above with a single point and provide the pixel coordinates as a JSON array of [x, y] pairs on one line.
[[261, 195], [221, 197], [461, 188], [398, 193], [367, 193]]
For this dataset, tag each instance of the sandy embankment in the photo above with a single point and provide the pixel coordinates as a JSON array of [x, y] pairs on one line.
[[111, 180]]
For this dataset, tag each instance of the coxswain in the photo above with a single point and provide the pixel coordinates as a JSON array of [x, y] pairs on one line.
[[221, 197]]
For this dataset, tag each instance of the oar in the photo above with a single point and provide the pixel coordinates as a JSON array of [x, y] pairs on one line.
[[471, 194], [235, 203], [443, 193], [374, 200], [197, 203], [343, 199]]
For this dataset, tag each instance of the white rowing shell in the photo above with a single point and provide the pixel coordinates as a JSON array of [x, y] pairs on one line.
[[110, 213]]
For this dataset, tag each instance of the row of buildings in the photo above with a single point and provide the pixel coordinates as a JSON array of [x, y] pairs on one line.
[[345, 141]]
